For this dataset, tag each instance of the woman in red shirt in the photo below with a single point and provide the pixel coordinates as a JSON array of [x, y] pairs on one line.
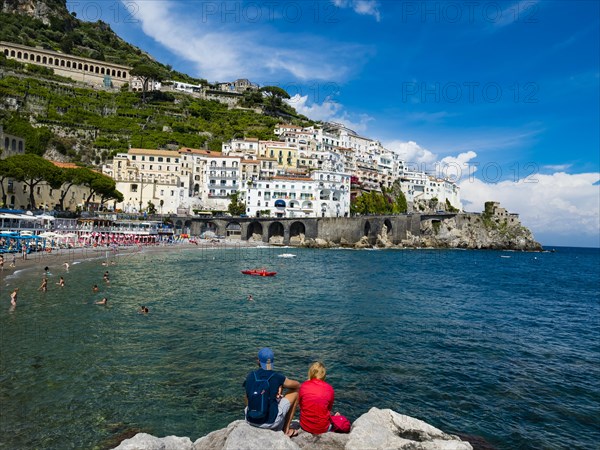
[[316, 401]]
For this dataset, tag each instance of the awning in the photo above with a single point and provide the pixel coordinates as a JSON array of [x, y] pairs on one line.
[[279, 203]]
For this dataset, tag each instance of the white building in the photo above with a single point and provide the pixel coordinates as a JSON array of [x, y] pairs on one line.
[[210, 178], [324, 194]]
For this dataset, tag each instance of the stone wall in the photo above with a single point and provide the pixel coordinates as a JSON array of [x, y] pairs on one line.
[[460, 230]]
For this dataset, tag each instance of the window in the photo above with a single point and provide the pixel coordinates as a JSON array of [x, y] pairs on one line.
[[168, 159], [134, 188], [172, 193], [151, 158], [133, 157], [160, 159], [150, 166], [162, 192], [143, 158]]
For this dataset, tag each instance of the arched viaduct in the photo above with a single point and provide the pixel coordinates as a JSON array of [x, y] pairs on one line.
[[78, 68], [287, 231]]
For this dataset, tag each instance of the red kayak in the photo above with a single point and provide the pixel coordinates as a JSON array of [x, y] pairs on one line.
[[259, 272]]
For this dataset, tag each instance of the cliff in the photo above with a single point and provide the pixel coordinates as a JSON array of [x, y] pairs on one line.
[[377, 429]]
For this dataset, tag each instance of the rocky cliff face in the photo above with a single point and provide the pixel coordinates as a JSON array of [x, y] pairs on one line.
[[377, 429], [474, 231], [39, 9]]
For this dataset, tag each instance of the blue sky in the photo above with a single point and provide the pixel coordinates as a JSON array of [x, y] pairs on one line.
[[506, 91]]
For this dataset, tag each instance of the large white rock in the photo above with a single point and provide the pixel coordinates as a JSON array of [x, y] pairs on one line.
[[144, 441], [386, 429], [241, 436]]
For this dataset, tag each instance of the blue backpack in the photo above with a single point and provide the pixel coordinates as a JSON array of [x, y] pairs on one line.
[[259, 399]]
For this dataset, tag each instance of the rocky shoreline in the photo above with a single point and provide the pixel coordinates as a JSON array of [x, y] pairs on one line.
[[376, 429]]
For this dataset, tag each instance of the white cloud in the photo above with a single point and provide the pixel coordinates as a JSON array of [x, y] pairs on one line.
[[226, 51], [329, 111], [363, 7], [412, 153], [560, 207]]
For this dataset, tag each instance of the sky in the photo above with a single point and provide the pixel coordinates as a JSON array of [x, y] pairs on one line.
[[503, 97]]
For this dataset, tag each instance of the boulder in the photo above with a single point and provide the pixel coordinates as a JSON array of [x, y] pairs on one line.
[[241, 436], [144, 441], [386, 429]]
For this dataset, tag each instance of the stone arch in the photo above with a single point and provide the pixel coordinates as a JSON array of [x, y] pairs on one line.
[[96, 69], [44, 60], [31, 57], [50, 61], [62, 63], [196, 188], [367, 229], [102, 71], [276, 233], [38, 58], [388, 225], [12, 53], [233, 230], [118, 74], [125, 74], [210, 227], [307, 204], [6, 143], [85, 67], [68, 64], [80, 66], [19, 55], [56, 62], [21, 146], [113, 73], [13, 145], [255, 231], [297, 231]]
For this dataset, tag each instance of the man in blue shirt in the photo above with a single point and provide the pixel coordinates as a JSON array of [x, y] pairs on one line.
[[281, 407]]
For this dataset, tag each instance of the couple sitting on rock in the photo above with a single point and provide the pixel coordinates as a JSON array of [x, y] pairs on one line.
[[267, 407]]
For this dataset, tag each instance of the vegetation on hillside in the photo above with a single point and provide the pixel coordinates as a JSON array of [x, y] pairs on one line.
[[389, 201]]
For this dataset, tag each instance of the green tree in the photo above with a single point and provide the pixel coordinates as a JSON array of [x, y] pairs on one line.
[[236, 205], [97, 183], [32, 170], [151, 208], [146, 73], [275, 96]]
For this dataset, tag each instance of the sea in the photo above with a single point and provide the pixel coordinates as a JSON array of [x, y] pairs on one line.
[[500, 346]]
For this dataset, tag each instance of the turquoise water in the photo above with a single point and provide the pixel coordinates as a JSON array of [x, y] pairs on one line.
[[505, 348]]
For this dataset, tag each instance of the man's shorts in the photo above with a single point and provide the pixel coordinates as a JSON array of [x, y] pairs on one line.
[[282, 410]]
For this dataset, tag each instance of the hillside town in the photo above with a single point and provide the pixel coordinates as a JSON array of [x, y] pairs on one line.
[[310, 171]]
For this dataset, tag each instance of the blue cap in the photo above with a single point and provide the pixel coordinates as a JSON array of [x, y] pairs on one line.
[[266, 358]]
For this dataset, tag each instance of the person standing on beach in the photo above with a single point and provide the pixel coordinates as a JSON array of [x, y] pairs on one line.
[[24, 250], [13, 297], [14, 260], [279, 411]]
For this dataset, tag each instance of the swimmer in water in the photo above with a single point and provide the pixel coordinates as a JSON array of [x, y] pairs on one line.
[[104, 301], [66, 264], [61, 282], [95, 288], [250, 298], [44, 286], [13, 297]]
